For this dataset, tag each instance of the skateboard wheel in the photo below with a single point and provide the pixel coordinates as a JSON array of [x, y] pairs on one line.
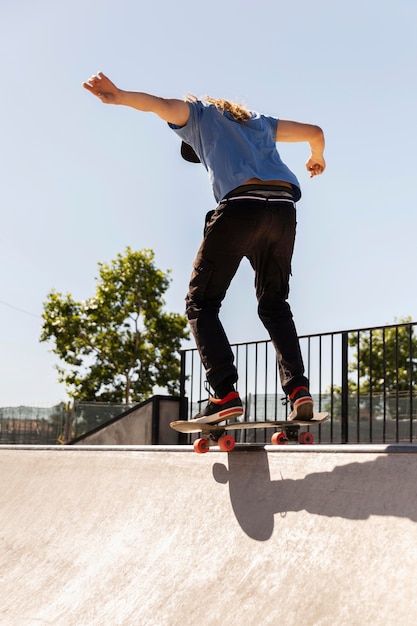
[[278, 439], [201, 445], [306, 438], [226, 443]]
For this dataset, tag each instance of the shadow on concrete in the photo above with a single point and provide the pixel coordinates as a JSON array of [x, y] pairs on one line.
[[384, 486]]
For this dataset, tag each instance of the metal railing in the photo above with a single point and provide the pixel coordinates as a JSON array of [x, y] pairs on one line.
[[365, 378]]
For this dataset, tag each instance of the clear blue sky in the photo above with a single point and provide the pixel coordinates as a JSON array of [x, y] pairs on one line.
[[80, 180]]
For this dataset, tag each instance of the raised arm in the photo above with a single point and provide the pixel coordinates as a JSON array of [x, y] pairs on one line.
[[297, 131], [169, 109]]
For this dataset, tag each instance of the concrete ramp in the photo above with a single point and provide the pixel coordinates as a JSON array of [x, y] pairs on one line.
[[95, 536]]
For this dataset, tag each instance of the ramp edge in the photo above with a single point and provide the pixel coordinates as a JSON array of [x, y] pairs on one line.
[[392, 448]]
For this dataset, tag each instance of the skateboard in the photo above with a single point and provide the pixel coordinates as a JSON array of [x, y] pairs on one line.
[[217, 434]]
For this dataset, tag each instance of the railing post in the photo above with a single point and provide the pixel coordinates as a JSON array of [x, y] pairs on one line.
[[345, 389], [183, 399]]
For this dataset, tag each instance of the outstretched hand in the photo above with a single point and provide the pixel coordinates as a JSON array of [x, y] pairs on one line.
[[102, 87]]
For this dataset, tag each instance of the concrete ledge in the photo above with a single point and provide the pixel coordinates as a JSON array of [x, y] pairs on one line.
[[392, 448]]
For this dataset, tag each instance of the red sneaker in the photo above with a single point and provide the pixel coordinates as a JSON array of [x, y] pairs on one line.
[[218, 410], [302, 404]]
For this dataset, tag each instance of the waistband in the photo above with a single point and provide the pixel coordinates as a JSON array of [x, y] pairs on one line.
[[272, 193]]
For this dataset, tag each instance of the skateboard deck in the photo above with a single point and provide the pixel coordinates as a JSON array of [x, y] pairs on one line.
[[215, 434]]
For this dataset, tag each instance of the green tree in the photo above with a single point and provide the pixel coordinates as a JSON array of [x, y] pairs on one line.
[[119, 344], [385, 358]]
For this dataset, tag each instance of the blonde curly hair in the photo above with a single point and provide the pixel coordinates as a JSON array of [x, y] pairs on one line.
[[238, 111]]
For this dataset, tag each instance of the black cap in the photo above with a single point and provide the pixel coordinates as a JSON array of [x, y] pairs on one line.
[[187, 153]]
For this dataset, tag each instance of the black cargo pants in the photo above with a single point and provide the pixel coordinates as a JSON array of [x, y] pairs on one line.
[[263, 230]]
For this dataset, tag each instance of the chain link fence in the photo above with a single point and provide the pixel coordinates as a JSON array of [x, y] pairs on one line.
[[57, 424]]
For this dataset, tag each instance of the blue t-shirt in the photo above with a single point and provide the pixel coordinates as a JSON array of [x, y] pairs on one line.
[[233, 152]]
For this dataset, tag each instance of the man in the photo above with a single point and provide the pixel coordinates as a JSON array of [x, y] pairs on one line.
[[255, 218]]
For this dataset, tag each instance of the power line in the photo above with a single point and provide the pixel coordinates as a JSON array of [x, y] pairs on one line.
[[16, 308]]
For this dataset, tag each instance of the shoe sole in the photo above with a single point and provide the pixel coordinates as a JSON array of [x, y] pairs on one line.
[[304, 411], [227, 414]]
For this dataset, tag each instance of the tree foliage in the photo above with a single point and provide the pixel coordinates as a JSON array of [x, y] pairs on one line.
[[119, 344], [385, 358]]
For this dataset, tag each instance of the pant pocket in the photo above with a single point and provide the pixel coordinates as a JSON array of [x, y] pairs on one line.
[[199, 280]]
